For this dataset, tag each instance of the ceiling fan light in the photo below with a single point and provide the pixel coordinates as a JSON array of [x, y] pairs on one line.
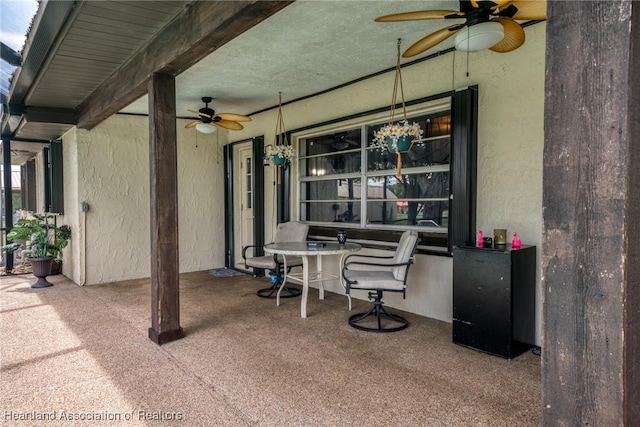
[[340, 145], [479, 37], [206, 128]]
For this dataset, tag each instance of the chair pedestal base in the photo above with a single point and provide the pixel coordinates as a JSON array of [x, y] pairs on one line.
[[276, 281], [271, 292], [378, 313]]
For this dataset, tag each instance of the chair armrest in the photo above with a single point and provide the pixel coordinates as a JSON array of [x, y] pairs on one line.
[[244, 250], [376, 264], [366, 256]]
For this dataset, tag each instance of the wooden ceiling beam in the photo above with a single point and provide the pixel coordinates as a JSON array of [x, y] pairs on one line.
[[200, 29], [50, 115]]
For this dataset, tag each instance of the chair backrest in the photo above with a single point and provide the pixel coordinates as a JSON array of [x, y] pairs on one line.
[[291, 231], [405, 250]]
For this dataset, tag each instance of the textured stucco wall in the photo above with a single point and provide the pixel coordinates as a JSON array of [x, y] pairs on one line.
[[73, 255], [113, 177], [200, 198], [510, 142]]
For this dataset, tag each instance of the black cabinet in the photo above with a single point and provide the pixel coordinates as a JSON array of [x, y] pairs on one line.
[[494, 299]]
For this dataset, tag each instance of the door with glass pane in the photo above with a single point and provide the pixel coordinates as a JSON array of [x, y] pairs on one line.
[[244, 179]]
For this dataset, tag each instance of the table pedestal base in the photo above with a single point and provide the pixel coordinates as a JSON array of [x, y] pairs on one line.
[[306, 250]]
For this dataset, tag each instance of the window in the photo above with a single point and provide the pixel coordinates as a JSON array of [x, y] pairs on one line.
[[344, 182], [420, 195], [249, 183]]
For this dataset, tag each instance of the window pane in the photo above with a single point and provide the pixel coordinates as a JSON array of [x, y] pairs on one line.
[[423, 213], [331, 143], [249, 178], [429, 152], [392, 200], [334, 153], [432, 185], [347, 162], [331, 201], [332, 189], [330, 211]]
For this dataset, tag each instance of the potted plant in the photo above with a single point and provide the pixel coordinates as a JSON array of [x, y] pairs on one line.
[[282, 153], [46, 241], [279, 154], [397, 137]]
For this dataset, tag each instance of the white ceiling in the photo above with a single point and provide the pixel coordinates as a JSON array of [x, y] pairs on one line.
[[309, 46]]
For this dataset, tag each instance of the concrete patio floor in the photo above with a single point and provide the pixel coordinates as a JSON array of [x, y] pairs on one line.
[[80, 356]]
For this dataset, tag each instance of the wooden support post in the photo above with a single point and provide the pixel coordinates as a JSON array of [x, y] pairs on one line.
[[163, 166], [591, 201], [8, 199]]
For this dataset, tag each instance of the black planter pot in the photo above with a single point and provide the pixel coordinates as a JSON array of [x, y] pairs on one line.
[[41, 269]]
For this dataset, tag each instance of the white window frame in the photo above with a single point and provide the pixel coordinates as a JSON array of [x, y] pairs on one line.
[[427, 108]]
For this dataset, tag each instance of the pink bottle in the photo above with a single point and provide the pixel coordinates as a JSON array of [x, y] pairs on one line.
[[480, 237], [516, 243]]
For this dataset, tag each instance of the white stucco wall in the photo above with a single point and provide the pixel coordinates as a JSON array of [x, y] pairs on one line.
[[73, 255], [510, 144], [113, 178], [201, 198]]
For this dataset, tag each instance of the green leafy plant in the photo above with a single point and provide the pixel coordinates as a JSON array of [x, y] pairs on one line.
[[46, 239]]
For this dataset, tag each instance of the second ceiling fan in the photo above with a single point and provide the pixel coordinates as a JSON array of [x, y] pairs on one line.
[[209, 117], [488, 24]]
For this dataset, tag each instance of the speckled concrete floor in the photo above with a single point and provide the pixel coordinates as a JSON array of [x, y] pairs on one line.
[[81, 356]]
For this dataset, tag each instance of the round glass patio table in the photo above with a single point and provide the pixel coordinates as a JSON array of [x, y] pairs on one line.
[[305, 250]]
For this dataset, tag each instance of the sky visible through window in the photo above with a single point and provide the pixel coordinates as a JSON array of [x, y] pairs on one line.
[[15, 17]]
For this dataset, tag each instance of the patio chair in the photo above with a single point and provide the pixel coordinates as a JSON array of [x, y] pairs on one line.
[[291, 231], [378, 274]]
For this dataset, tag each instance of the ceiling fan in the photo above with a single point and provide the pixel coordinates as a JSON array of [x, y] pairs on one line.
[[487, 24], [342, 141], [208, 117]]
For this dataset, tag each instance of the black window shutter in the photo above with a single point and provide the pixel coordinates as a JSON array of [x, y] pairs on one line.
[[28, 186], [464, 138], [56, 178]]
